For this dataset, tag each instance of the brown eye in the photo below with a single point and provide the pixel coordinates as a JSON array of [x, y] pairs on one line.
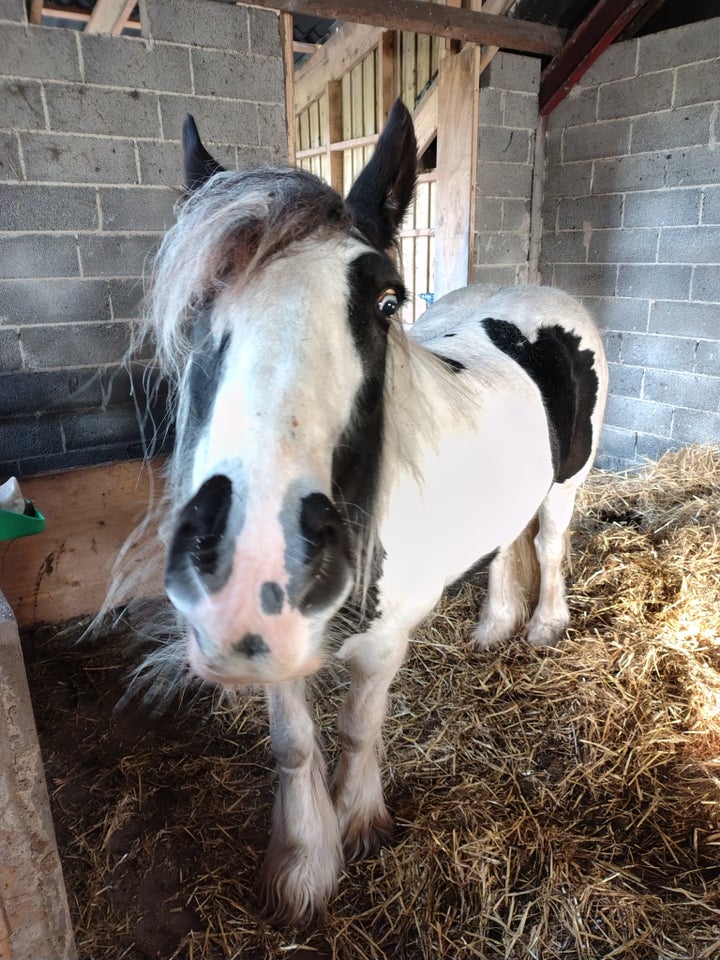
[[388, 303]]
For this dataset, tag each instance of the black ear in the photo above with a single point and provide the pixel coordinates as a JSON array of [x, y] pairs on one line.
[[381, 194], [199, 165]]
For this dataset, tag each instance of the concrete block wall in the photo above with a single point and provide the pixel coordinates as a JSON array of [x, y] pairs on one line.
[[89, 161], [507, 121], [631, 224]]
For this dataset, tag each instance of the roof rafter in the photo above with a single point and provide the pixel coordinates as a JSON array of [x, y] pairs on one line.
[[603, 24]]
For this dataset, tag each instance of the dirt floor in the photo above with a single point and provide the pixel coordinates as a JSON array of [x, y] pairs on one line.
[[557, 804]]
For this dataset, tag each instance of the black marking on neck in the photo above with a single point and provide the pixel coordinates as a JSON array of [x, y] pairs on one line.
[[455, 366], [568, 384]]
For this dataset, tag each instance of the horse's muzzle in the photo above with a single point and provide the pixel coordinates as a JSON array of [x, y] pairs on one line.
[[257, 597]]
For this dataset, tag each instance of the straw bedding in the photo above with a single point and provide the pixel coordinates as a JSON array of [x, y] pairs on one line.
[[550, 803]]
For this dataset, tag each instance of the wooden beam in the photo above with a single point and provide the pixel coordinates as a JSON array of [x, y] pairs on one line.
[[286, 41], [458, 92], [344, 50], [300, 47], [603, 24], [425, 118], [109, 16], [424, 16], [36, 11], [334, 132], [387, 52]]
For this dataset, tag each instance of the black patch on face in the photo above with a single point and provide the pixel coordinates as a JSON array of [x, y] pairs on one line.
[[202, 380], [454, 365], [251, 645], [356, 458], [568, 384], [272, 597]]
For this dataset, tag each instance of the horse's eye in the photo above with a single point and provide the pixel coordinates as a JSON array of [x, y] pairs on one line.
[[388, 303]]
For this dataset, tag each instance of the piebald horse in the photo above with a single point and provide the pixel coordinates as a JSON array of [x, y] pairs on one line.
[[333, 471]]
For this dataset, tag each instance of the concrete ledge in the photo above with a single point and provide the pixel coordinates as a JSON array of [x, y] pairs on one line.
[[34, 918]]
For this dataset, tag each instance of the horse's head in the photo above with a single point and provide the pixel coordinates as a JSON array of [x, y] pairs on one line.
[[271, 305]]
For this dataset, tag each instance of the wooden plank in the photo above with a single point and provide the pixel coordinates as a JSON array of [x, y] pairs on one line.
[[109, 16], [36, 11], [34, 916], [458, 91], [64, 572], [343, 51], [387, 73], [603, 24], [425, 118], [424, 16], [334, 133], [286, 40]]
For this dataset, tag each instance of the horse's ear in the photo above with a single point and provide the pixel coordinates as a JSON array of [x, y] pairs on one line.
[[199, 165], [381, 194]]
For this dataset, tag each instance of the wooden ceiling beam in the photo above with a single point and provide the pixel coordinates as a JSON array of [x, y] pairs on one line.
[[603, 24], [109, 16], [426, 17]]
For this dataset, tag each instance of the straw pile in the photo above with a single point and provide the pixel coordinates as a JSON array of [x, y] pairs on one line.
[[554, 803]]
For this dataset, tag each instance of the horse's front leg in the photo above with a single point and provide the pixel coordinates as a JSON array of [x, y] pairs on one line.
[[373, 659], [305, 854]]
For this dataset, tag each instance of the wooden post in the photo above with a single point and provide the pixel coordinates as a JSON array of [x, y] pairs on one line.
[[335, 133], [458, 93], [286, 39], [387, 73]]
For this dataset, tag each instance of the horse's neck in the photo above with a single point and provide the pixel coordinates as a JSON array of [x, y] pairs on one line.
[[423, 400]]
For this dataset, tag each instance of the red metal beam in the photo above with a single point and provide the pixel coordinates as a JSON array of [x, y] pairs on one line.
[[606, 20]]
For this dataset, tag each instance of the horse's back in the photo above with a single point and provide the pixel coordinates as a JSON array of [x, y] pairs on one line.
[[528, 332], [528, 307]]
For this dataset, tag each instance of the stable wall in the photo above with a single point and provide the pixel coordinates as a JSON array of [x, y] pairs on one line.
[[507, 121], [631, 224], [89, 156]]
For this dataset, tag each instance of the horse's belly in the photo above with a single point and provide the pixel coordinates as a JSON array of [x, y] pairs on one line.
[[478, 492]]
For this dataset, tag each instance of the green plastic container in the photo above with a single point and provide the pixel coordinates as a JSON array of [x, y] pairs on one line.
[[13, 525]]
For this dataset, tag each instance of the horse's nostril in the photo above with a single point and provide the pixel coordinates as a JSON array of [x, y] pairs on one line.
[[327, 553], [200, 532], [320, 522]]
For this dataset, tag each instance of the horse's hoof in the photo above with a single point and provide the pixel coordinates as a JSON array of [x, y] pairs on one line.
[[546, 634], [294, 890], [364, 836], [487, 635]]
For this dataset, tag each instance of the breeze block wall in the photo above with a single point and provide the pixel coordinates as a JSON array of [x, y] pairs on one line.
[[507, 121], [90, 163], [631, 223]]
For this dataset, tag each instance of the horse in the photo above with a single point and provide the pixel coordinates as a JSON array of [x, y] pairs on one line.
[[334, 472]]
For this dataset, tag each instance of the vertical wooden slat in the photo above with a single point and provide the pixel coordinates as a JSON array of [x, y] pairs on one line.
[[335, 133], [407, 68], [387, 74], [458, 91], [286, 39], [369, 108], [36, 7]]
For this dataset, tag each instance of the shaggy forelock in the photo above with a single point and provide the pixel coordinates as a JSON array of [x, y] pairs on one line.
[[230, 227]]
